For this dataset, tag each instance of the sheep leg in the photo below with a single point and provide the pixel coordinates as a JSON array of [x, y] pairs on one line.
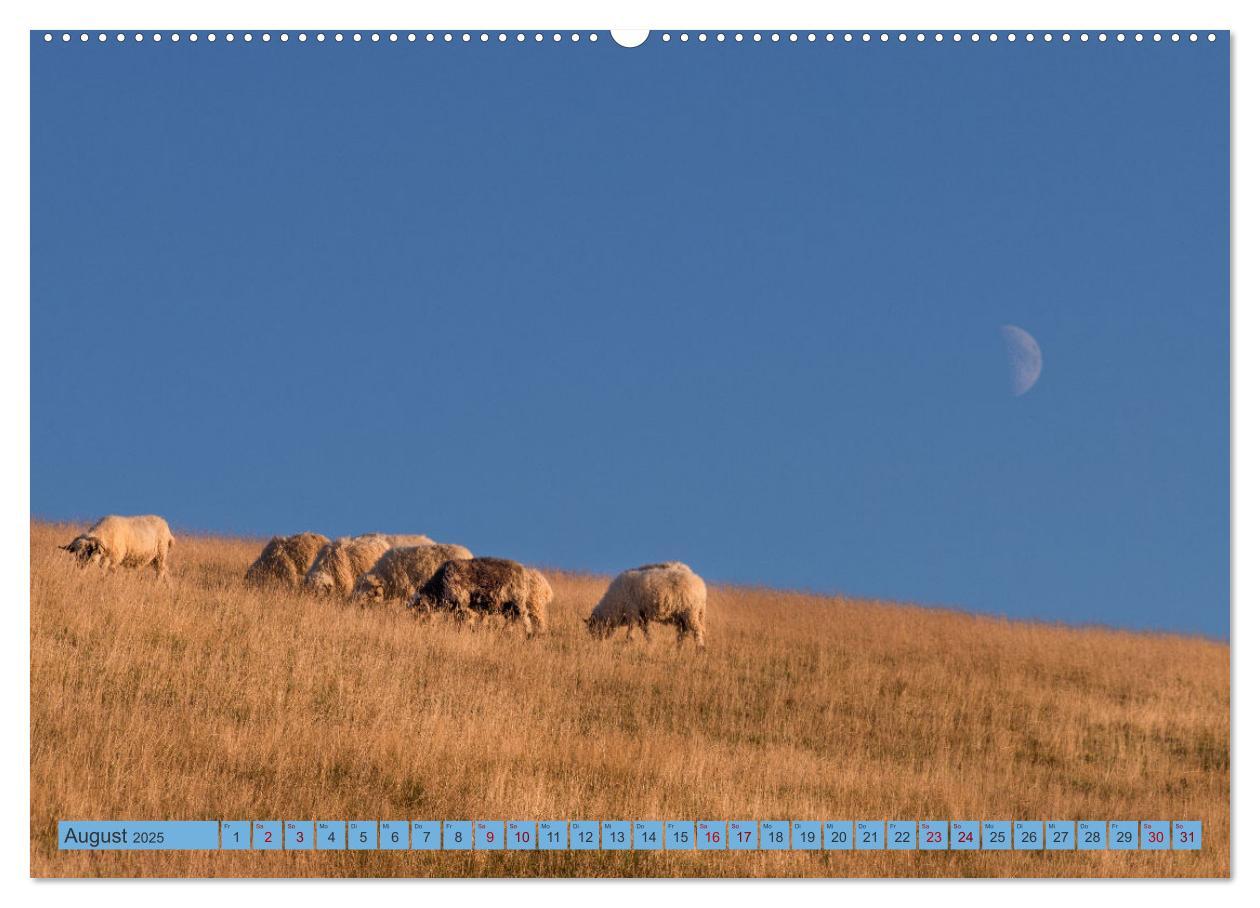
[[688, 625]]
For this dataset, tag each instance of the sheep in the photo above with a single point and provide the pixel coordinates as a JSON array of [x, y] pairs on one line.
[[668, 592], [285, 560], [404, 569], [339, 563], [487, 586], [133, 542]]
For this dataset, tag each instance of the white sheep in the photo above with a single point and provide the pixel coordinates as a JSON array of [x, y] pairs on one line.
[[404, 569], [285, 560], [132, 542], [667, 593], [340, 562]]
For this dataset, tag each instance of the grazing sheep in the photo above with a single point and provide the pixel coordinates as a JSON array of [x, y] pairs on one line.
[[127, 541], [487, 586], [404, 569], [340, 562], [669, 593], [285, 560]]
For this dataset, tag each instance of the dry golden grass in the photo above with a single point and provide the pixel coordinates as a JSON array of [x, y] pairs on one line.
[[207, 700]]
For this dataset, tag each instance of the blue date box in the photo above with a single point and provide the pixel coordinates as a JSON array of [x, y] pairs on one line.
[[1187, 835], [711, 835], [426, 835], [583, 835], [521, 836], [234, 835], [775, 835], [361, 835], [457, 835], [649, 835], [488, 835], [868, 835], [1091, 835], [900, 835], [964, 835], [553, 835], [299, 835], [616, 835], [680, 835], [806, 835], [995, 835], [1029, 835], [838, 835], [1155, 835], [394, 835], [330, 835], [741, 835], [1060, 835], [268, 835], [1122, 835], [933, 835]]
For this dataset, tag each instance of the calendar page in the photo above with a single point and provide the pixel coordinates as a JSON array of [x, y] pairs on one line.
[[568, 452]]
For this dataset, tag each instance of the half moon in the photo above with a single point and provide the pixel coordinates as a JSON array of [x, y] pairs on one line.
[[1023, 358]]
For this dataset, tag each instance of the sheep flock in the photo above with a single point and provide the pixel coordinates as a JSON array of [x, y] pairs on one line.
[[430, 578]]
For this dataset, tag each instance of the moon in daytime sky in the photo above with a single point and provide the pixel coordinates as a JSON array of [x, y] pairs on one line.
[[1023, 358]]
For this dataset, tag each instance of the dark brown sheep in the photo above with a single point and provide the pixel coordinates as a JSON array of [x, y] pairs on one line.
[[487, 586]]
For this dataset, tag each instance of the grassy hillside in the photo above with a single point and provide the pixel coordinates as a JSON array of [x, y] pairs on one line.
[[207, 700]]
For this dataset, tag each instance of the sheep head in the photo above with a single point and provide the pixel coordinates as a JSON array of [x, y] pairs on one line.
[[422, 604], [368, 589], [600, 628], [87, 549], [320, 583]]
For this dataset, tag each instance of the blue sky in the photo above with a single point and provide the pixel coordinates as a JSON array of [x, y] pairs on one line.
[[589, 307]]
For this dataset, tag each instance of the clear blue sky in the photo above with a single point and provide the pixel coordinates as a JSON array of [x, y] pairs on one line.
[[590, 307]]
